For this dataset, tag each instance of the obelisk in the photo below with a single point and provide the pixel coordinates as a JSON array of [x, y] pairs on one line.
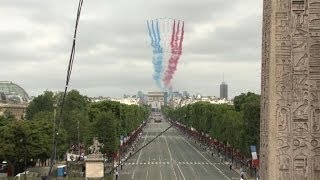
[[290, 90]]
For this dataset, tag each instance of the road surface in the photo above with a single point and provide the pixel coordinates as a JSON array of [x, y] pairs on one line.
[[172, 156]]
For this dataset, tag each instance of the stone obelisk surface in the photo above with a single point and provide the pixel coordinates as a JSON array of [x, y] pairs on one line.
[[290, 92]]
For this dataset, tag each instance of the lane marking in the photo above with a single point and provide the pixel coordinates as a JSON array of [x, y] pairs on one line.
[[160, 168], [165, 139], [205, 158], [139, 155], [147, 175], [148, 169]]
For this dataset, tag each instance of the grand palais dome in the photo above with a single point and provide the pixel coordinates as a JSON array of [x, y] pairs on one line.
[[13, 92]]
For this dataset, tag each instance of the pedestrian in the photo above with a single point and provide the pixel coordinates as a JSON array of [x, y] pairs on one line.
[[117, 174], [242, 175], [230, 166]]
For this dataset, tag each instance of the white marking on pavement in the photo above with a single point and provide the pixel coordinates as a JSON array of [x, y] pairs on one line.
[[147, 175], [160, 168], [205, 158], [165, 139], [139, 156], [180, 171], [148, 169]]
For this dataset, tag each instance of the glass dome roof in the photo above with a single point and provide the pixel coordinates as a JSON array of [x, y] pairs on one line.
[[12, 90]]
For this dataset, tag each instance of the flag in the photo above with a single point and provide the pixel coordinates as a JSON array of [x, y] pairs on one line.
[[255, 160]]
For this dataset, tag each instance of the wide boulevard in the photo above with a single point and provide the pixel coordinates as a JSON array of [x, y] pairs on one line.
[[172, 156]]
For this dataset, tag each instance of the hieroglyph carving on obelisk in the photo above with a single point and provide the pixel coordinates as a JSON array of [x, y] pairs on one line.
[[290, 90]]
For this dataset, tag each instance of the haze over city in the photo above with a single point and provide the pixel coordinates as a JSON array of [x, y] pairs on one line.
[[113, 54]]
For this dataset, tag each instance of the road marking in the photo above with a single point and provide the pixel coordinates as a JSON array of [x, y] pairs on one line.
[[165, 139], [156, 162], [205, 158], [139, 156], [147, 175], [144, 163], [160, 168], [151, 162]]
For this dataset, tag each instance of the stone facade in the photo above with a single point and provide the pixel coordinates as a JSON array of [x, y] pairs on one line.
[[290, 90], [94, 167], [18, 110]]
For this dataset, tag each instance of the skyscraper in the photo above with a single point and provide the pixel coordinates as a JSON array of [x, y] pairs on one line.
[[223, 90]]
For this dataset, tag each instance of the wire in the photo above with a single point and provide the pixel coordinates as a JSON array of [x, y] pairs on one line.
[[140, 149], [53, 155]]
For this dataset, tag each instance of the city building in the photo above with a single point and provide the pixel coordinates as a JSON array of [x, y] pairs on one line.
[[224, 91], [177, 102], [185, 94], [13, 98]]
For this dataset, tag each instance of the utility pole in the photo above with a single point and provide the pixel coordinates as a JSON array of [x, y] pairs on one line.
[[54, 129], [25, 159]]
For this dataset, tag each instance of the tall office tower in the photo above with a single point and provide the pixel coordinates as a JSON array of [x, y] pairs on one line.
[[223, 90]]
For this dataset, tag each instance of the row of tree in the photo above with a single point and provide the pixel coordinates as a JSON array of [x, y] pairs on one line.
[[78, 123], [237, 125]]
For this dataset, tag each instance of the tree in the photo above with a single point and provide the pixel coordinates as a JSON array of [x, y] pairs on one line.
[[237, 125], [105, 130], [43, 102], [23, 140]]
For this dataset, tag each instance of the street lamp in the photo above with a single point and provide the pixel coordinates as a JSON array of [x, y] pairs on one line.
[[53, 131]]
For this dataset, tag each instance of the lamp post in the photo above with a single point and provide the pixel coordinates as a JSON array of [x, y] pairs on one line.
[[53, 131], [24, 143]]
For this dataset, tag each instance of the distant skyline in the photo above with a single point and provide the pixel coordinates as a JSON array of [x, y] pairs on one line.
[[113, 54]]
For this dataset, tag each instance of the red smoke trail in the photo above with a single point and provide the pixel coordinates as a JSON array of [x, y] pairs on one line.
[[176, 51]]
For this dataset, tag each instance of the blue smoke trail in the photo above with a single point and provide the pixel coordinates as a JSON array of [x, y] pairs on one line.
[[157, 59]]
